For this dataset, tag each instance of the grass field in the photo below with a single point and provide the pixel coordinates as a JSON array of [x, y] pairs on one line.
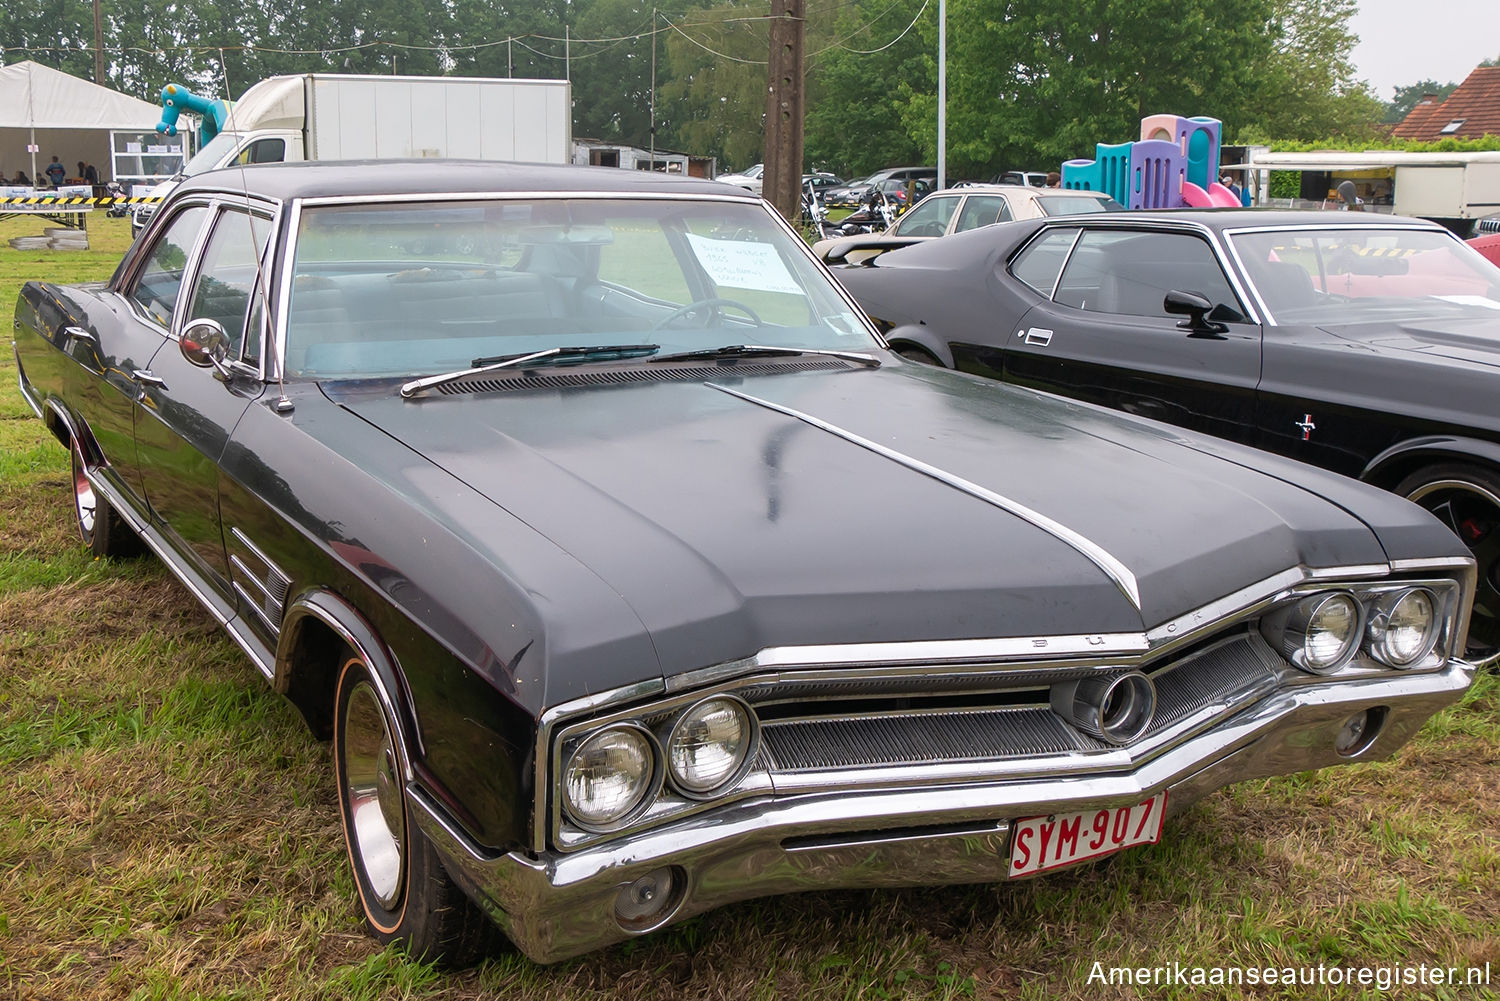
[[169, 830]]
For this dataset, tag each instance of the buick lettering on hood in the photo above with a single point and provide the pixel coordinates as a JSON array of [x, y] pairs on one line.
[[631, 575]]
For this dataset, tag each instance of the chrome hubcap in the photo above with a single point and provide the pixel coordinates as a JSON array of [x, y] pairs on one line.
[[84, 502], [1473, 514], [372, 788]]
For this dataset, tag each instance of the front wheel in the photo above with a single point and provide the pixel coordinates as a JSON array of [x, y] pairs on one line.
[[1467, 499], [101, 528], [406, 894]]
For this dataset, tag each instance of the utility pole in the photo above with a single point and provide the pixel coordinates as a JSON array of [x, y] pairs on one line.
[[653, 88], [98, 45], [782, 180]]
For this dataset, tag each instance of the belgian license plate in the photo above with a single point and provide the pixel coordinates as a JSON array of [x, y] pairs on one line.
[[1042, 843]]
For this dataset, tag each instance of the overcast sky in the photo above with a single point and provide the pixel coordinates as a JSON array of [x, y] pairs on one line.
[[1403, 41]]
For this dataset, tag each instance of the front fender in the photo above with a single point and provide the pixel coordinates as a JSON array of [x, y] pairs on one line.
[[1395, 463]]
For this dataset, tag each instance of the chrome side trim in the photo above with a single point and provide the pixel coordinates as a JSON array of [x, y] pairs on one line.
[[1090, 550], [246, 641], [31, 401], [985, 654]]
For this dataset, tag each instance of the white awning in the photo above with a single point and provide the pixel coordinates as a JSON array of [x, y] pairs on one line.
[[33, 96]]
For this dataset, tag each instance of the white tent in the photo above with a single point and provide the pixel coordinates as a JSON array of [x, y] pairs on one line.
[[67, 117]]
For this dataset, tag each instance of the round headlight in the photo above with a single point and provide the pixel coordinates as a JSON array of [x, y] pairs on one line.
[[609, 776], [710, 745], [1403, 627], [1331, 632]]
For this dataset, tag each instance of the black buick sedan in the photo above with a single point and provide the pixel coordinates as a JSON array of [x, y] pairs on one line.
[[1365, 344], [631, 575]]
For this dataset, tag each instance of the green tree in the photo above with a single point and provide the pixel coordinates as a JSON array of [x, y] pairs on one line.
[[1032, 83], [1406, 98], [1307, 88], [858, 84]]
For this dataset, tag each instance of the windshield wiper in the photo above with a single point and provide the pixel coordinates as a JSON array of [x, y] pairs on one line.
[[594, 352], [730, 351]]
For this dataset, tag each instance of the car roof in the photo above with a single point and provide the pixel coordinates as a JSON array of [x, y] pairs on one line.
[[357, 178], [1226, 219]]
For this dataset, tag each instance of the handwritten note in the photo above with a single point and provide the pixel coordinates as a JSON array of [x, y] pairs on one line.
[[743, 264]]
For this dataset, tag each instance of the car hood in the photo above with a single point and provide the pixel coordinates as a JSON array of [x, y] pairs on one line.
[[1469, 340], [808, 508]]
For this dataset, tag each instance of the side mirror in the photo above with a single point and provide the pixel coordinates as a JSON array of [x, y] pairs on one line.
[[205, 344], [1196, 308]]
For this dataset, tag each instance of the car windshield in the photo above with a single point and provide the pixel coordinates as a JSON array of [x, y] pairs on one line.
[[212, 152], [1367, 274], [421, 287], [1077, 204]]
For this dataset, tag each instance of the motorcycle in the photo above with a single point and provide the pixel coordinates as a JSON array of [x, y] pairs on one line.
[[875, 214], [815, 214]]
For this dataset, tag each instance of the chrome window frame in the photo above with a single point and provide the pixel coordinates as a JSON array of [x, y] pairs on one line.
[[1102, 220], [216, 202]]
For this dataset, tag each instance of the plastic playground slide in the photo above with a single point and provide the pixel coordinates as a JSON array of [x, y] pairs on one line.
[[1216, 197]]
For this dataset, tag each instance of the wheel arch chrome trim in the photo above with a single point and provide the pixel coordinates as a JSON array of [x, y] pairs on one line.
[[346, 622]]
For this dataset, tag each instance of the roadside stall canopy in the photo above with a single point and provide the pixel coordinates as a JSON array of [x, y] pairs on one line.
[[64, 116]]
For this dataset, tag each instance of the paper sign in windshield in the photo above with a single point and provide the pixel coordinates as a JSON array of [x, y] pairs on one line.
[[743, 264], [1470, 300]]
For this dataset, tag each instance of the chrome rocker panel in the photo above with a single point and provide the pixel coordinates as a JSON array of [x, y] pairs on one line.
[[555, 906]]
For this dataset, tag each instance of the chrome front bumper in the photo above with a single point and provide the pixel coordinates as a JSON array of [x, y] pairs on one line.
[[556, 906]]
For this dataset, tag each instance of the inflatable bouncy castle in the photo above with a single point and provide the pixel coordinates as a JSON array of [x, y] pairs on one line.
[[1175, 164]]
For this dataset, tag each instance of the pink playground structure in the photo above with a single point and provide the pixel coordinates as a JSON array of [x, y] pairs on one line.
[[1175, 164]]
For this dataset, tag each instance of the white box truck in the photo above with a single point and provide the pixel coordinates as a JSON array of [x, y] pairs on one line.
[[319, 116], [1450, 188]]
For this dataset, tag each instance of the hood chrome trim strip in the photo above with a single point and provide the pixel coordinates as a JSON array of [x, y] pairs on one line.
[[1090, 550]]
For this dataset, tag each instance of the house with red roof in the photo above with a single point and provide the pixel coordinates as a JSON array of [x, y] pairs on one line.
[[1471, 111]]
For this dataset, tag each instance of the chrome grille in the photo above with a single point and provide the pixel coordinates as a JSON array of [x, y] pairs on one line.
[[799, 745], [1227, 675]]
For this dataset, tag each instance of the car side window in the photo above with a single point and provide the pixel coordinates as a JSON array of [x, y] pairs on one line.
[[222, 289], [160, 281], [981, 210], [1130, 273], [263, 151], [929, 218], [1038, 265]]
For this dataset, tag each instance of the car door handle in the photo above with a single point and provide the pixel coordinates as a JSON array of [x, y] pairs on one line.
[[146, 377], [78, 334]]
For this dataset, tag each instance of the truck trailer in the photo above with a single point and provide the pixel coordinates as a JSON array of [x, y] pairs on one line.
[[321, 116]]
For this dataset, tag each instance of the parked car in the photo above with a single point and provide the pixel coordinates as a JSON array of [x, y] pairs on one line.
[[751, 179], [846, 195], [961, 209], [631, 575], [1029, 178], [1366, 344], [823, 182], [857, 191]]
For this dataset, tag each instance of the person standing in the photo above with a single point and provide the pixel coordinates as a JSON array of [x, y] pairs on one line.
[[56, 173], [91, 174]]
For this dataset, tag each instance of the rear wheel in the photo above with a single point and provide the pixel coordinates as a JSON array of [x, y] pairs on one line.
[[104, 531], [1467, 500], [406, 894]]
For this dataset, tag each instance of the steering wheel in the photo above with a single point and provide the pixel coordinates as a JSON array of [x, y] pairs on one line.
[[711, 307]]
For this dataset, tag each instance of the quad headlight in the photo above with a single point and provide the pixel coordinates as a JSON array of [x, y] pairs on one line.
[[1320, 633], [610, 777], [1403, 627], [710, 746]]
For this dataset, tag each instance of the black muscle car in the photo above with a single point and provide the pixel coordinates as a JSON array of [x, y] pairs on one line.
[[1365, 344], [631, 575]]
